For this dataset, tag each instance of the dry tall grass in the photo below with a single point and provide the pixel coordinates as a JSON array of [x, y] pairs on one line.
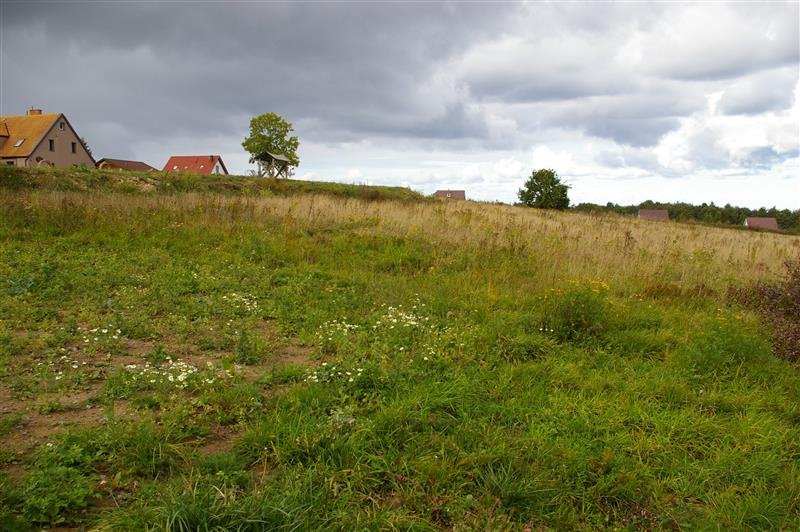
[[631, 254]]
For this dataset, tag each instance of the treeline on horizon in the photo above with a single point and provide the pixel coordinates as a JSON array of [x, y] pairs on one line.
[[788, 220]]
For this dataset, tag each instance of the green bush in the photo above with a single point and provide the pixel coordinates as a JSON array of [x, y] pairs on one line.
[[52, 493], [575, 314]]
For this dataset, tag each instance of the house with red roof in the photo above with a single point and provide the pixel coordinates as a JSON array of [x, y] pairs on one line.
[[766, 223], [654, 214], [450, 194], [196, 164]]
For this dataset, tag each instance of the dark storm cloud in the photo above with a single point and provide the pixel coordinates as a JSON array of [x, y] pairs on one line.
[[412, 76], [181, 69]]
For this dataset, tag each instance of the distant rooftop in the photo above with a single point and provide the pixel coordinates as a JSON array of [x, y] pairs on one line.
[[762, 222], [123, 164], [451, 194], [654, 214]]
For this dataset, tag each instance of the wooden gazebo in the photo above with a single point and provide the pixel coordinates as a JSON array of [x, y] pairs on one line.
[[274, 165]]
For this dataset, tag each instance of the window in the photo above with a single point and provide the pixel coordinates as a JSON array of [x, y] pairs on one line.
[[51, 144], [19, 143], [74, 147], [61, 126], [10, 163]]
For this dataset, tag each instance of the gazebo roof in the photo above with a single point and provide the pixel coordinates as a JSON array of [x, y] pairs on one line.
[[278, 157]]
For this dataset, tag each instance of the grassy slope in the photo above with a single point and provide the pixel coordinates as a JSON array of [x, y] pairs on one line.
[[493, 368], [82, 179]]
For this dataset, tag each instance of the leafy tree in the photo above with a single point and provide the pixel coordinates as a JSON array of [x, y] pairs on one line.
[[270, 133], [544, 190]]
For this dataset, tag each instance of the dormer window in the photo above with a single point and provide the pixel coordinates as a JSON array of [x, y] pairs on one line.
[[19, 143]]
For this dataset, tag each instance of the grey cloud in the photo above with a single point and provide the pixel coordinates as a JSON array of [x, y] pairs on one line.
[[766, 157], [633, 131], [768, 91], [630, 119], [723, 41], [457, 77], [178, 69]]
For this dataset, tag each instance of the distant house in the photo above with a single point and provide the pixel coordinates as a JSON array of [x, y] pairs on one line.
[[654, 214], [762, 222], [122, 164], [196, 164], [37, 139], [450, 194]]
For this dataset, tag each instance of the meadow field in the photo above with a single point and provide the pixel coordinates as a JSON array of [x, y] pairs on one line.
[[241, 357]]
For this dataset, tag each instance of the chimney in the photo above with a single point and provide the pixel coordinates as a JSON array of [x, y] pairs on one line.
[[32, 111]]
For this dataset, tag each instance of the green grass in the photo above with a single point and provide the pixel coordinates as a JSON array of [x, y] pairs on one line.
[[259, 374], [87, 178]]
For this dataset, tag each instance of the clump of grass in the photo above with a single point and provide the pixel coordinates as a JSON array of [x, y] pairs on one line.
[[287, 374], [525, 346], [577, 313], [779, 305], [9, 422], [248, 350]]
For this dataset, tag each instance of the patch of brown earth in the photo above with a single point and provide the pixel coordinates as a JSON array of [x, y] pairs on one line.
[[139, 348], [296, 354], [221, 440], [36, 428]]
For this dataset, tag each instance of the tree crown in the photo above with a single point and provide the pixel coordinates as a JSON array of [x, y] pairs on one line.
[[270, 133], [544, 190]]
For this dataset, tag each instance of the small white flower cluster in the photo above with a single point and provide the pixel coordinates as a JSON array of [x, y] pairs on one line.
[[396, 316], [175, 372], [326, 373], [64, 362], [100, 334], [546, 329], [242, 302], [341, 418], [332, 328], [426, 358]]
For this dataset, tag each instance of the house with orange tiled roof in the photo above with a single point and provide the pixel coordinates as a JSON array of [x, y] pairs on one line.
[[37, 139], [196, 164]]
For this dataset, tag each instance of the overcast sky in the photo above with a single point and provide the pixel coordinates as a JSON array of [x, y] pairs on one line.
[[626, 101]]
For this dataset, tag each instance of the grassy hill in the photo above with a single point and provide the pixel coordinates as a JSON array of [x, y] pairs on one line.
[[255, 360], [85, 179]]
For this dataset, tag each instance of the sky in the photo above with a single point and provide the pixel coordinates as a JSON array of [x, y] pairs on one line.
[[695, 102]]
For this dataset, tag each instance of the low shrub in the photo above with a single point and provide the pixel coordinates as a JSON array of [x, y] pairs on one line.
[[779, 305], [51, 493], [578, 313]]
